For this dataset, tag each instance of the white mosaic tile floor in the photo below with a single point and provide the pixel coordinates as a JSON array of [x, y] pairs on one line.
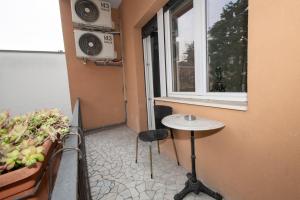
[[114, 175]]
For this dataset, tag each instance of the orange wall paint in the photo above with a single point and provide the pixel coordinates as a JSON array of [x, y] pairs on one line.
[[100, 88], [257, 155], [133, 15]]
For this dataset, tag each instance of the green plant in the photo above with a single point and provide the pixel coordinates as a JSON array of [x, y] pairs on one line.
[[22, 137], [3, 119]]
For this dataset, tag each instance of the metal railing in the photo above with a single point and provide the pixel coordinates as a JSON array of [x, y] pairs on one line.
[[72, 178], [83, 183]]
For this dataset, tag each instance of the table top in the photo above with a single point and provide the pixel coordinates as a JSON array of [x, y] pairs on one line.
[[177, 121]]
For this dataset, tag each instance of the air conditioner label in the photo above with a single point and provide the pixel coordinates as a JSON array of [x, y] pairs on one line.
[[105, 6], [108, 39]]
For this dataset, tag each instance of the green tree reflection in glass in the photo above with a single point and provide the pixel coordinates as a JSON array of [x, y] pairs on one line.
[[227, 42]]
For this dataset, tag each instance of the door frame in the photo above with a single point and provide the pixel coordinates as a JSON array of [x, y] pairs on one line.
[[148, 68]]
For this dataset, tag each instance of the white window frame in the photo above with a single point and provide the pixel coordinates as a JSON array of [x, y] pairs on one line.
[[161, 46], [200, 51]]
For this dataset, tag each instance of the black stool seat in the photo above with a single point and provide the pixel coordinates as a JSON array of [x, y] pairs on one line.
[[153, 135]]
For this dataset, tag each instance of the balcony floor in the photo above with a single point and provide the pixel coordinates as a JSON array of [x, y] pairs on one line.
[[114, 175]]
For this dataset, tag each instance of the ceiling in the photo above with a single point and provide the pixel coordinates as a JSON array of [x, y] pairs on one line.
[[115, 3]]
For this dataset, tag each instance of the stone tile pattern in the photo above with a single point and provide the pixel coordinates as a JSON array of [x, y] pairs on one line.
[[114, 175]]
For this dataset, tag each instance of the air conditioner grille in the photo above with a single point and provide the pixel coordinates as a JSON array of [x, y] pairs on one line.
[[90, 44], [87, 10]]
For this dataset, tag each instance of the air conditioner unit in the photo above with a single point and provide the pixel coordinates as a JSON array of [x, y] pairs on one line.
[[94, 45], [91, 14]]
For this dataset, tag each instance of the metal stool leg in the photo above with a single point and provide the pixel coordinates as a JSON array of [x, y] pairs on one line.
[[158, 149], [172, 136], [137, 149], [150, 155]]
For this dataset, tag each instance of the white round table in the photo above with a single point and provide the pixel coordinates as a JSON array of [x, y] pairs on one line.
[[192, 124]]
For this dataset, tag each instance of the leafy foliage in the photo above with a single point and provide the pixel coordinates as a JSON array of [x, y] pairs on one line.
[[227, 49], [22, 137]]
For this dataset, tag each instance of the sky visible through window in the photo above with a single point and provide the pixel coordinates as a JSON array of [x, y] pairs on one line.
[[33, 25], [215, 8], [185, 32]]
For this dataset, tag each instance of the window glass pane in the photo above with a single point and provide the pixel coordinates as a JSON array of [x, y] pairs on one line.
[[182, 41], [227, 36]]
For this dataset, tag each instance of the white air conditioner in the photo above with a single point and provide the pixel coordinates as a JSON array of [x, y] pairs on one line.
[[91, 14], [93, 45]]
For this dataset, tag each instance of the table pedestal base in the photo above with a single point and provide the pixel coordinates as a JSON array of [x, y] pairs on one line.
[[196, 186]]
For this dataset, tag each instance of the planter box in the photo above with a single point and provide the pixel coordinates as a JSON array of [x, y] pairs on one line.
[[23, 179]]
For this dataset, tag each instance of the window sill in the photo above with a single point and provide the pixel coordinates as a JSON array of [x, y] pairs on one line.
[[232, 105]]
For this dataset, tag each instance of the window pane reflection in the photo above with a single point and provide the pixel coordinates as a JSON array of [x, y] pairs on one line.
[[227, 37], [182, 40]]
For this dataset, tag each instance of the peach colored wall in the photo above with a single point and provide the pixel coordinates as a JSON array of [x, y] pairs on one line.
[[133, 15], [257, 155], [99, 87]]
